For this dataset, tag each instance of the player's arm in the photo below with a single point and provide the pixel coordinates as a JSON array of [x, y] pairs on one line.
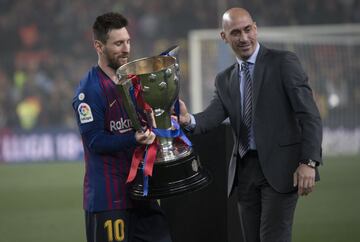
[[90, 107], [101, 141]]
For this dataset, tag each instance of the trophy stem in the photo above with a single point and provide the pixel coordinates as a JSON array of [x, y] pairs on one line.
[[163, 121]]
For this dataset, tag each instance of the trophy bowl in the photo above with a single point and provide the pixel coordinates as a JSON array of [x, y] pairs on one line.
[[176, 168]]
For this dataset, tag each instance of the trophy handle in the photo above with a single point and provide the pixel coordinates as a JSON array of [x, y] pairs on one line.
[[124, 85]]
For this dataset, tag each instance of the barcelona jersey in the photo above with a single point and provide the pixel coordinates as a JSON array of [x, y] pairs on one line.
[[108, 140]]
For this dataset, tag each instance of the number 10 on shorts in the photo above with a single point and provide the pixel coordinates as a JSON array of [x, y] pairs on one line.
[[115, 230]]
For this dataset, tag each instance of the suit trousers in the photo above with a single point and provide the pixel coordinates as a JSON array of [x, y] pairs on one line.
[[265, 214]]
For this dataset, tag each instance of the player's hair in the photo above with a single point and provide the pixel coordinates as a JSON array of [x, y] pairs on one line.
[[107, 22]]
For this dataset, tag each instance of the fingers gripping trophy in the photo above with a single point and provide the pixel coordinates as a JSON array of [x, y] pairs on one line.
[[169, 166]]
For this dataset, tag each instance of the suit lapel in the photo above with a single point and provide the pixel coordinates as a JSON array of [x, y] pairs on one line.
[[259, 71], [235, 94]]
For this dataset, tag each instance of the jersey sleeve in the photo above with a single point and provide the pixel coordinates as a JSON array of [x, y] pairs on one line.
[[89, 105]]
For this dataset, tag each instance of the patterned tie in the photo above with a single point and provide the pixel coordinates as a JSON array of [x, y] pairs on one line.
[[245, 125]]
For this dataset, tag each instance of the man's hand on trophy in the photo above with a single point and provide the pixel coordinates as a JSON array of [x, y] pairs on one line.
[[145, 137], [184, 115]]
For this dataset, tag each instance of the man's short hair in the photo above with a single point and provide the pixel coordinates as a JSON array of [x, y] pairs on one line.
[[107, 22]]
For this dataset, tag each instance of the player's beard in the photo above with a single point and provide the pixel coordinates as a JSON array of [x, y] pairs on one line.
[[116, 61]]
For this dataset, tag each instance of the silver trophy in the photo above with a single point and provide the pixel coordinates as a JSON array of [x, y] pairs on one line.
[[177, 168]]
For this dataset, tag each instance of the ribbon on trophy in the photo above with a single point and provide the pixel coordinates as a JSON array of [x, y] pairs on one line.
[[173, 133], [144, 152]]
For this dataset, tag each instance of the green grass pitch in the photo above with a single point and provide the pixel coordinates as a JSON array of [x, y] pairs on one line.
[[43, 202]]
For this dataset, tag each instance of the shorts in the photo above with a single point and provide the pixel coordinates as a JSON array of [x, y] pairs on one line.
[[145, 223]]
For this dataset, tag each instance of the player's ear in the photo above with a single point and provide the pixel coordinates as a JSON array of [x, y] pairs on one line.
[[98, 46]]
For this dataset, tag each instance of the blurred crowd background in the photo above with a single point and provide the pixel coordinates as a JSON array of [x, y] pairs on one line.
[[46, 46]]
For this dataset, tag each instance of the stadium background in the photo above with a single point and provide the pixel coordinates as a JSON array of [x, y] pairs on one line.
[[46, 48]]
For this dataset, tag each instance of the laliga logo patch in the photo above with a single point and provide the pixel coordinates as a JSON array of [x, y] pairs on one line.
[[85, 114]]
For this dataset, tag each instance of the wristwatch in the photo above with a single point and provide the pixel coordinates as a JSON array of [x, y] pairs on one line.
[[310, 162]]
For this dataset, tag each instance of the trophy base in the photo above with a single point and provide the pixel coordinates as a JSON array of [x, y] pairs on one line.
[[172, 178]]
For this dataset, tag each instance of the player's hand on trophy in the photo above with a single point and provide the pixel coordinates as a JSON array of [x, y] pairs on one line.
[[145, 137], [184, 115]]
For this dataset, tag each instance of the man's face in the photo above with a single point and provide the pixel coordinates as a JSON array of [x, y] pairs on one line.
[[116, 50], [241, 34]]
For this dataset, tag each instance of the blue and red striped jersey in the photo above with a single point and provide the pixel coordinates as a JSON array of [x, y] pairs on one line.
[[108, 141]]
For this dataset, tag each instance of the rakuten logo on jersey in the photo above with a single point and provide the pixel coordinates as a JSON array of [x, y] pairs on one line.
[[122, 125]]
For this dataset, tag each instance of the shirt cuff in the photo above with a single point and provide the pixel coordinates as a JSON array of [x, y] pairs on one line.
[[191, 125]]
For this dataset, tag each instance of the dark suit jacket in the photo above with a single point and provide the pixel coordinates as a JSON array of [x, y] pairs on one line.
[[287, 123]]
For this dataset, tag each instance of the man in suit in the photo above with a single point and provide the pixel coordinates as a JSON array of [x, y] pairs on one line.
[[276, 125]]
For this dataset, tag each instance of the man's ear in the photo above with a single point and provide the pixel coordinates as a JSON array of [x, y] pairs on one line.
[[223, 36], [98, 46]]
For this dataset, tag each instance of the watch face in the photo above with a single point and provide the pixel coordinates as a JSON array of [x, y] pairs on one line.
[[312, 163]]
